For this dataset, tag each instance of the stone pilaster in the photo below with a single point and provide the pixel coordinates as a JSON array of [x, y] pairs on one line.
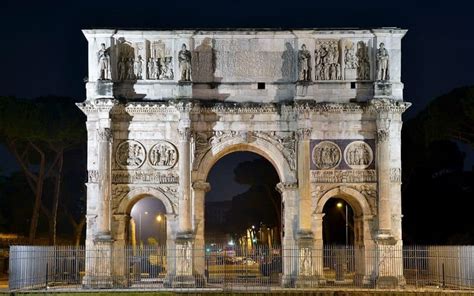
[[304, 183], [289, 195], [199, 188]]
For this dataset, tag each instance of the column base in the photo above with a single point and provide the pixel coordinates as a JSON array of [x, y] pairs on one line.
[[385, 237], [390, 282], [181, 281], [97, 282], [309, 282]]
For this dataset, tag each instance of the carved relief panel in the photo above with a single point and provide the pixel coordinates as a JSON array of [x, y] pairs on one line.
[[163, 155], [130, 154], [343, 161], [327, 56]]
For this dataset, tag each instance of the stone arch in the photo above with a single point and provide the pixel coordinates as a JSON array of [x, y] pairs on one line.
[[257, 145], [354, 198], [135, 195]]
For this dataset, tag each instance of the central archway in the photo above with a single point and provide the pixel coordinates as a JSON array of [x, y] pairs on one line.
[[286, 175], [243, 207]]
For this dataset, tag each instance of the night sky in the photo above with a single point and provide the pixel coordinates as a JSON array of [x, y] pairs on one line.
[[43, 51]]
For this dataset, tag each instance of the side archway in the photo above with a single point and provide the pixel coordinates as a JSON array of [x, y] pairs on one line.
[[135, 195], [356, 199]]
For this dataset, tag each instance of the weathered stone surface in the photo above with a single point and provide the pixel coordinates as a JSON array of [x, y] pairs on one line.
[[310, 101]]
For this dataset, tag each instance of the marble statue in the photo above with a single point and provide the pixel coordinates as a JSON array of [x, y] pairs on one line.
[[151, 68], [184, 58], [166, 69], [349, 57], [130, 74], [103, 58], [122, 69], [382, 63], [363, 62], [304, 58], [158, 68], [139, 67]]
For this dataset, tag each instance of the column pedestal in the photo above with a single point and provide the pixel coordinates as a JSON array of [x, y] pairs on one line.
[[306, 259], [184, 277], [99, 258]]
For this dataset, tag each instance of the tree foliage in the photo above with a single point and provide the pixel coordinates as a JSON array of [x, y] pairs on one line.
[[38, 132]]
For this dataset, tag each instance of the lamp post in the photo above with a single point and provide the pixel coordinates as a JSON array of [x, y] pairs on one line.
[[161, 225], [140, 226], [339, 205]]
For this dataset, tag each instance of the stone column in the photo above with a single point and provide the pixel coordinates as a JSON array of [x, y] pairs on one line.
[[104, 136], [184, 238], [383, 175], [184, 211], [99, 250], [200, 188], [289, 194]]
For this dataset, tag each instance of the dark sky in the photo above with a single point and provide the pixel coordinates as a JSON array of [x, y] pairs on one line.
[[44, 52]]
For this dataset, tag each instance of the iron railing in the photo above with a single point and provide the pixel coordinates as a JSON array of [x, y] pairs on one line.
[[234, 268]]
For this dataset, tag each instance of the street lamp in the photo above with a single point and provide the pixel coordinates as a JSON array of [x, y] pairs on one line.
[[339, 205], [140, 225]]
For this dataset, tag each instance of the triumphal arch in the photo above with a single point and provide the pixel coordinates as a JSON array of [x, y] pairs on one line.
[[323, 106]]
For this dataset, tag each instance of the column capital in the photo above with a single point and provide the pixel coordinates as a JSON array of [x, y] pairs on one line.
[[303, 134], [104, 134], [286, 186], [202, 185], [382, 135], [184, 134], [384, 105]]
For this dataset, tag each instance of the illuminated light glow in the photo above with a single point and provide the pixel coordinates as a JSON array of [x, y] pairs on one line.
[[159, 218], [339, 204]]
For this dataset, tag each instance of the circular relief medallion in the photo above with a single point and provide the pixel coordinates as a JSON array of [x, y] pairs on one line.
[[326, 155], [163, 155], [358, 155], [130, 154]]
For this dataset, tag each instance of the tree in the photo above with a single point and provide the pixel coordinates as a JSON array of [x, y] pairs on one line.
[[261, 202], [38, 132], [449, 117]]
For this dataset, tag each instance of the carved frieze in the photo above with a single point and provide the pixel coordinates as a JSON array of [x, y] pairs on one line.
[[305, 264], [326, 155], [163, 155], [363, 61], [130, 154], [93, 176], [358, 155], [396, 175], [156, 177], [327, 60], [343, 176]]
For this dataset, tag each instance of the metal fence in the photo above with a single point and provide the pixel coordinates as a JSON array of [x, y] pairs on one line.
[[232, 268]]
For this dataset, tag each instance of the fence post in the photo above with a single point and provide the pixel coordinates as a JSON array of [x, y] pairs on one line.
[[46, 282]]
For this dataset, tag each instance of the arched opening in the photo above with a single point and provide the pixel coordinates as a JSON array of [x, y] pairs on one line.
[[338, 223], [343, 229], [243, 207], [148, 223]]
